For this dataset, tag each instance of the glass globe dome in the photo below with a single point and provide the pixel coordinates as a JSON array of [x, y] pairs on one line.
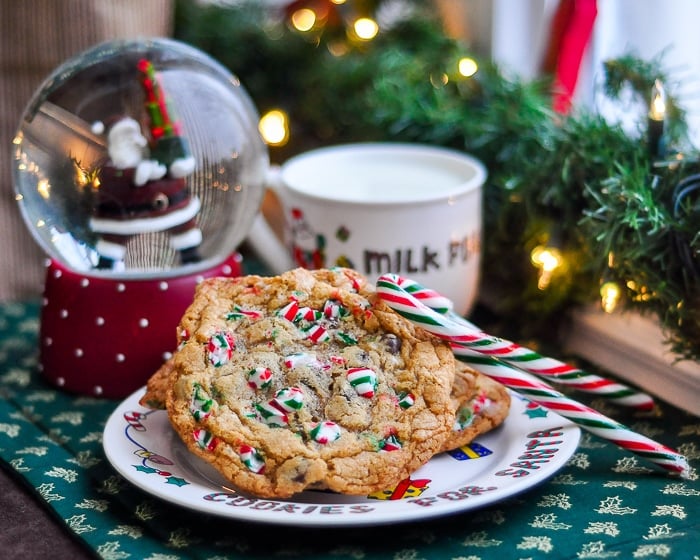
[[140, 159]]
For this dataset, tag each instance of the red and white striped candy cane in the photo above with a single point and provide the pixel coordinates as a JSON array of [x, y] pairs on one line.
[[512, 353], [536, 390], [587, 418]]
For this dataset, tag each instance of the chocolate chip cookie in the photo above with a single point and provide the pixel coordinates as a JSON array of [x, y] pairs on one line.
[[307, 380], [480, 403]]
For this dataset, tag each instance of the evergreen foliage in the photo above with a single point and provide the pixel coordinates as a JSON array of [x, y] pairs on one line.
[[577, 181]]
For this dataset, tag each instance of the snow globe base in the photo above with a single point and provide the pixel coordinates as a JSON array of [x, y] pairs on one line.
[[105, 337]]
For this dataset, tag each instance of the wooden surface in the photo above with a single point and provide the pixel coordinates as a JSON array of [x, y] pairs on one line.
[[28, 530]]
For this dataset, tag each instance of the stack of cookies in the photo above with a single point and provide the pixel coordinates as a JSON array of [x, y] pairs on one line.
[[308, 380]]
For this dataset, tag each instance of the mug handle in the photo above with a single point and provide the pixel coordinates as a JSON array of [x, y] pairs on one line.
[[262, 240]]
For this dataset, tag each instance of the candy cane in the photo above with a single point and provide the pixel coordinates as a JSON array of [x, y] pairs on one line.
[[586, 417], [519, 356], [536, 390]]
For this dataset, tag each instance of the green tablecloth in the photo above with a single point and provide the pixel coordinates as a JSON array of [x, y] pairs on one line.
[[603, 504]]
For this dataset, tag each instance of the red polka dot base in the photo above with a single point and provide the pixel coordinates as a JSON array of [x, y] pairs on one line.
[[105, 337]]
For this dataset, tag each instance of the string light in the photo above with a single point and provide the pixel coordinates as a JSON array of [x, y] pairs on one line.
[[547, 260], [610, 294], [641, 293], [467, 67], [274, 127], [365, 28], [610, 291], [657, 108], [655, 124], [306, 19], [303, 19]]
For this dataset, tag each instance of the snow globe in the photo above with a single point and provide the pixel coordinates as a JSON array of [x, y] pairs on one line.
[[139, 168]]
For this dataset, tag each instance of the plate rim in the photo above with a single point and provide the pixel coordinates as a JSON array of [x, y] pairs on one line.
[[383, 511]]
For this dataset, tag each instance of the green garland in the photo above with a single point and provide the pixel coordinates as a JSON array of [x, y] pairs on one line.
[[577, 180]]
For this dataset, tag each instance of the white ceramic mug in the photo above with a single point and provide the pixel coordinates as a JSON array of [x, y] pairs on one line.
[[410, 209]]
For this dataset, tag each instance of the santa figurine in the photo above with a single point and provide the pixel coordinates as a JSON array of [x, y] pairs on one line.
[[307, 246], [142, 185]]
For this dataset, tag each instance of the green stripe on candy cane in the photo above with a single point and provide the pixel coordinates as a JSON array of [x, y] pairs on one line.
[[584, 416], [509, 352], [528, 385]]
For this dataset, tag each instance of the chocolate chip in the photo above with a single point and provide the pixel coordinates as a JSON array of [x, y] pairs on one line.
[[300, 475], [393, 343]]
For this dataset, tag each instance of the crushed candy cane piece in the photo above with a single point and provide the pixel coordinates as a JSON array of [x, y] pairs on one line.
[[317, 333], [205, 439], [220, 348], [252, 459], [299, 359], [307, 314], [346, 338], [391, 443], [290, 398], [364, 381], [271, 414], [289, 311], [239, 313], [259, 378], [334, 309], [407, 400], [325, 432], [200, 404]]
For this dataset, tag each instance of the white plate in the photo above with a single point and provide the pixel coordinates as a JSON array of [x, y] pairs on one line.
[[530, 446]]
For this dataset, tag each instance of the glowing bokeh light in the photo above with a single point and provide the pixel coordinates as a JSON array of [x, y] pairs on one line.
[[467, 67], [274, 127], [366, 28], [304, 19]]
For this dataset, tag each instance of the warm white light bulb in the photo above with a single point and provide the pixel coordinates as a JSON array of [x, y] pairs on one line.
[[303, 19], [547, 260], [274, 127], [609, 296], [366, 28], [657, 108], [467, 67]]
